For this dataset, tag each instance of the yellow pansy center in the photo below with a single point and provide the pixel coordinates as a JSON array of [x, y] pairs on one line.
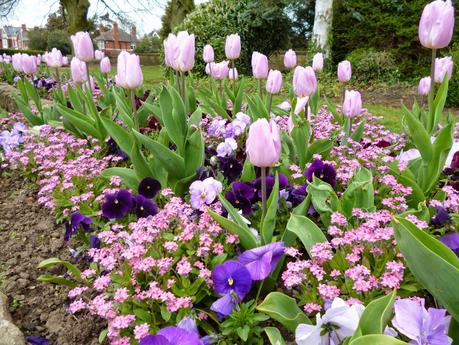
[[230, 281]]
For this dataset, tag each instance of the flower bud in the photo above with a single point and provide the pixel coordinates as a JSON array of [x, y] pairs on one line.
[[82, 46], [352, 105], [436, 24], [344, 71], [78, 70], [259, 65], [233, 47], [208, 53], [290, 59], [263, 144], [424, 86], [318, 62], [304, 81], [105, 65], [274, 82], [129, 73]]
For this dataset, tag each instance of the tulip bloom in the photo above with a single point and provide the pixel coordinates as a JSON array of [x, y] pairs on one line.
[[304, 81], [54, 58], [82, 46], [105, 65], [208, 53], [443, 67], [436, 24], [263, 144], [290, 59], [129, 73], [318, 62], [344, 71], [29, 65], [424, 86], [179, 51], [99, 54], [233, 74], [78, 70], [233, 47], [352, 105], [16, 61], [274, 82], [259, 65], [219, 71]]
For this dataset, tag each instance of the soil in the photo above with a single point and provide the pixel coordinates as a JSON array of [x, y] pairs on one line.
[[28, 235]]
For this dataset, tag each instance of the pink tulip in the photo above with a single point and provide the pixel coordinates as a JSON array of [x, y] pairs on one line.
[[304, 81], [219, 70], [274, 82], [232, 74], [105, 65], [16, 61], [78, 70], [436, 24], [263, 144], [344, 71], [318, 62], [54, 58], [171, 50], [424, 86], [29, 64], [443, 67], [65, 60], [208, 53], [233, 47], [352, 105], [99, 54], [179, 51], [290, 59], [259, 65], [82, 46], [128, 73]]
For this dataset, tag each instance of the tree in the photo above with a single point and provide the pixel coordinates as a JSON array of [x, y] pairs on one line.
[[59, 39], [175, 13], [77, 14], [322, 25], [148, 44], [38, 38], [301, 13]]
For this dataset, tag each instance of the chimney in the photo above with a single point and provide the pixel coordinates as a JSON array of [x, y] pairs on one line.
[[101, 28], [116, 36], [133, 33], [23, 27]]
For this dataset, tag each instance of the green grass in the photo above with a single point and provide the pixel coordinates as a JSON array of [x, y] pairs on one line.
[[392, 116], [152, 76]]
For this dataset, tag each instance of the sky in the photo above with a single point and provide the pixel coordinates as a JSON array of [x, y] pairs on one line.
[[146, 18]]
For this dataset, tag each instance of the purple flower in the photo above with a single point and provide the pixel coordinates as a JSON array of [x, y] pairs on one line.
[[35, 340], [204, 192], [117, 205], [452, 242], [172, 336], [230, 167], [77, 219], [240, 196], [94, 242], [263, 260], [441, 218], [114, 149], [144, 207], [297, 195], [323, 171], [423, 327], [270, 180], [226, 148], [149, 187]]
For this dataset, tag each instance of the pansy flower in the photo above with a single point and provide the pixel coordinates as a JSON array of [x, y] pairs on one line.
[[76, 220], [149, 187], [204, 192], [36, 340], [270, 181], [172, 336], [240, 196], [441, 218], [144, 207], [117, 205], [452, 242], [323, 171], [230, 167], [261, 261]]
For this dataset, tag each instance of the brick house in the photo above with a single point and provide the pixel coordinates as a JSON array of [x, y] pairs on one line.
[[116, 39], [12, 37]]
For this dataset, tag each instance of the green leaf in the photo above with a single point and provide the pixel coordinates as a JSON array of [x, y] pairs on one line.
[[248, 240], [24, 108], [269, 221], [248, 171], [374, 339], [324, 199], [127, 175], [419, 135], [141, 168], [243, 332], [55, 261], [121, 136], [102, 335], [56, 280], [194, 153], [359, 193], [433, 264], [283, 309], [306, 230], [274, 336], [358, 133], [84, 123], [300, 135], [377, 315], [453, 331]]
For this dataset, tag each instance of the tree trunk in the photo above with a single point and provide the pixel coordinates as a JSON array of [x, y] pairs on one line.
[[322, 25], [77, 14]]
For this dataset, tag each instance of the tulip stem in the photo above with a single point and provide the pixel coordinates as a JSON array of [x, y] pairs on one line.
[[260, 86], [270, 104], [134, 109], [430, 121], [88, 76], [58, 80], [233, 70], [184, 88], [263, 192]]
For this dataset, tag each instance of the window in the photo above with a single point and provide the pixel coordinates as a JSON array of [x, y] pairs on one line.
[[101, 44]]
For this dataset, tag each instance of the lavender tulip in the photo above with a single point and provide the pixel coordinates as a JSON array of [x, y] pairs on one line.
[[54, 58], [424, 86], [78, 70], [105, 65], [65, 60], [304, 81], [29, 66], [344, 71], [437, 24], [259, 65], [290, 59], [82, 46], [274, 82], [233, 47], [186, 43], [443, 67], [233, 74], [208, 53], [171, 51], [318, 62], [352, 105], [219, 71], [99, 54], [16, 62], [263, 144], [129, 73]]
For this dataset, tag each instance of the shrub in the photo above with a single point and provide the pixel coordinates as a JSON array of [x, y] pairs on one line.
[[263, 27], [25, 51], [59, 39], [453, 93], [371, 65]]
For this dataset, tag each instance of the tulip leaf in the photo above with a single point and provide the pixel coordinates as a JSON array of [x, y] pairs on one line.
[[359, 193], [46, 278], [269, 221], [300, 135], [377, 339], [433, 264], [55, 261], [248, 171], [24, 108], [194, 152], [128, 176], [169, 115], [274, 336], [139, 163], [283, 309], [234, 214], [319, 146], [247, 239], [306, 230], [324, 199], [418, 135], [124, 109], [121, 136]]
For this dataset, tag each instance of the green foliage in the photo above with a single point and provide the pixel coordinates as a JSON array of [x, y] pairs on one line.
[[148, 44], [24, 51], [59, 39], [38, 38], [371, 65], [263, 26], [175, 13], [453, 93]]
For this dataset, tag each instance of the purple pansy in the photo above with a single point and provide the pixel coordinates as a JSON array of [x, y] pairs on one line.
[[117, 205], [230, 167], [261, 261], [441, 218], [452, 242], [204, 192], [423, 327], [36, 340], [94, 241], [240, 196], [114, 149], [144, 207], [172, 336], [270, 180], [297, 195], [149, 187], [323, 171], [76, 220]]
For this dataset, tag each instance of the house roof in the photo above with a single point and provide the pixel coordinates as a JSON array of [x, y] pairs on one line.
[[11, 31], [123, 36]]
